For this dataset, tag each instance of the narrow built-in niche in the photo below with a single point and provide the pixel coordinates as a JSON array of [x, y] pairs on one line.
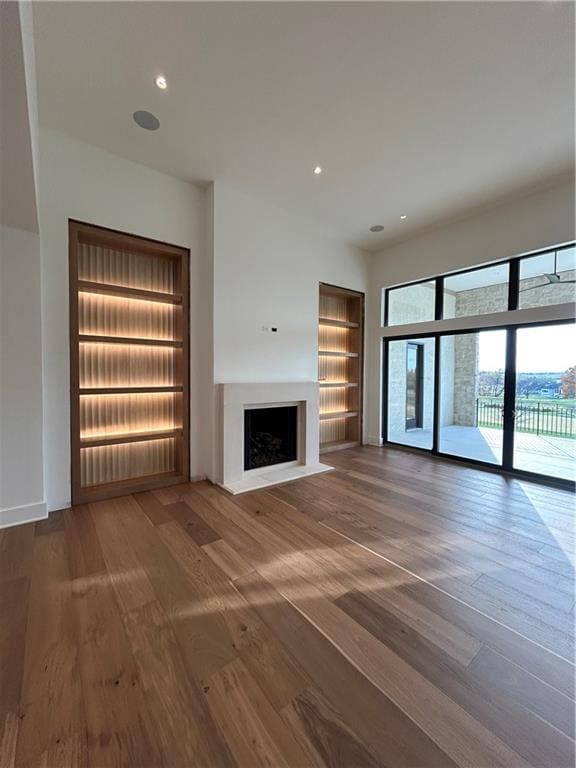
[[128, 363], [340, 344]]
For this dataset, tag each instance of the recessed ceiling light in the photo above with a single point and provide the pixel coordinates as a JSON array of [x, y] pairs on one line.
[[146, 120], [403, 216], [161, 82], [318, 170], [376, 228]]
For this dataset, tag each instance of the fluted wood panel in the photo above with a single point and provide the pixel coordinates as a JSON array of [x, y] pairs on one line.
[[102, 415], [334, 307], [112, 463], [336, 339], [125, 365], [115, 316], [130, 270], [332, 431], [332, 369], [334, 399]]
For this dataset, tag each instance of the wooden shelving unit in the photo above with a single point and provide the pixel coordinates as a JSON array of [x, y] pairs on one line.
[[340, 365], [129, 381]]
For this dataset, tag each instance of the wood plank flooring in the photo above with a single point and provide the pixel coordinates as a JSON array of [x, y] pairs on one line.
[[400, 611]]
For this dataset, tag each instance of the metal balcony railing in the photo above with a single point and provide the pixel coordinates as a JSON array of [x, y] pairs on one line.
[[534, 417]]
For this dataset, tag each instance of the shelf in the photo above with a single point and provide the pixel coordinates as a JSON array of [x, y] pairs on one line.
[[126, 390], [338, 445], [338, 323], [130, 340], [130, 395], [127, 437], [133, 485], [338, 384], [120, 291], [338, 415], [340, 340]]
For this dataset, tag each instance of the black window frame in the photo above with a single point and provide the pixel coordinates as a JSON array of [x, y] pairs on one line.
[[513, 283], [514, 263]]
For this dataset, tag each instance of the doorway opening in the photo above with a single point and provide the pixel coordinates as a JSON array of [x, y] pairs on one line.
[[414, 385]]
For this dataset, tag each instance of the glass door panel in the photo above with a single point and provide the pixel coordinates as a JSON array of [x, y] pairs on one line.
[[472, 395], [545, 407]]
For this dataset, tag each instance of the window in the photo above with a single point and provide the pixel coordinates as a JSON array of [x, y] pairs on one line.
[[544, 279], [548, 278], [495, 390], [477, 292], [412, 303]]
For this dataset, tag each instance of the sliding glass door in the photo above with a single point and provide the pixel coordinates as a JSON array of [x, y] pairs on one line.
[[503, 397], [544, 416]]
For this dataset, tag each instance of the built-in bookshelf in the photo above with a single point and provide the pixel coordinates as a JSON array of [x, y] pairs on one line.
[[340, 366], [129, 381]]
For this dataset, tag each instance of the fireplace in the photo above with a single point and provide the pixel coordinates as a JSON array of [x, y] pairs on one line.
[[270, 436]]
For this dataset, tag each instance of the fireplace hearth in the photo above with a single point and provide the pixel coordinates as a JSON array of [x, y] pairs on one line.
[[270, 436]]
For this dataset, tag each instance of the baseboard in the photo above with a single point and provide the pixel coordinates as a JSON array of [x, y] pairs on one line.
[[374, 441], [29, 513]]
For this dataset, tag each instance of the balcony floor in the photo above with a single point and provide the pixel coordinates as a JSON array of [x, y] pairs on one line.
[[553, 456]]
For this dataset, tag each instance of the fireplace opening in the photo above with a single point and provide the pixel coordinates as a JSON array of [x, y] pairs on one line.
[[270, 436]]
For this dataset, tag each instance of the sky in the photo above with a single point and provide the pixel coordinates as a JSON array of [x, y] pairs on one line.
[[550, 349]]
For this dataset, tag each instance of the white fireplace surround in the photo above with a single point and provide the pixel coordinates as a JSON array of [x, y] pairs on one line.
[[234, 399]]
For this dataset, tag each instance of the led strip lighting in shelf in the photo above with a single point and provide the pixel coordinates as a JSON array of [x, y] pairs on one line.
[[133, 294], [127, 437], [108, 339]]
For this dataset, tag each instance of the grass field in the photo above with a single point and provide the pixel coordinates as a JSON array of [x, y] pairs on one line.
[[559, 401]]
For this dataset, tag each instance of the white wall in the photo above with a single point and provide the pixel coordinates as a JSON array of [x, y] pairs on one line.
[[82, 182], [538, 220], [21, 460], [268, 264], [252, 265], [21, 470], [267, 267], [18, 138]]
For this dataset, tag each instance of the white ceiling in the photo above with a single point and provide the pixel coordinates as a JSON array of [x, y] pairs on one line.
[[429, 109]]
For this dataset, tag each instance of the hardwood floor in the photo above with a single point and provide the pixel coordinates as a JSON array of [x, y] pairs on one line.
[[399, 611]]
